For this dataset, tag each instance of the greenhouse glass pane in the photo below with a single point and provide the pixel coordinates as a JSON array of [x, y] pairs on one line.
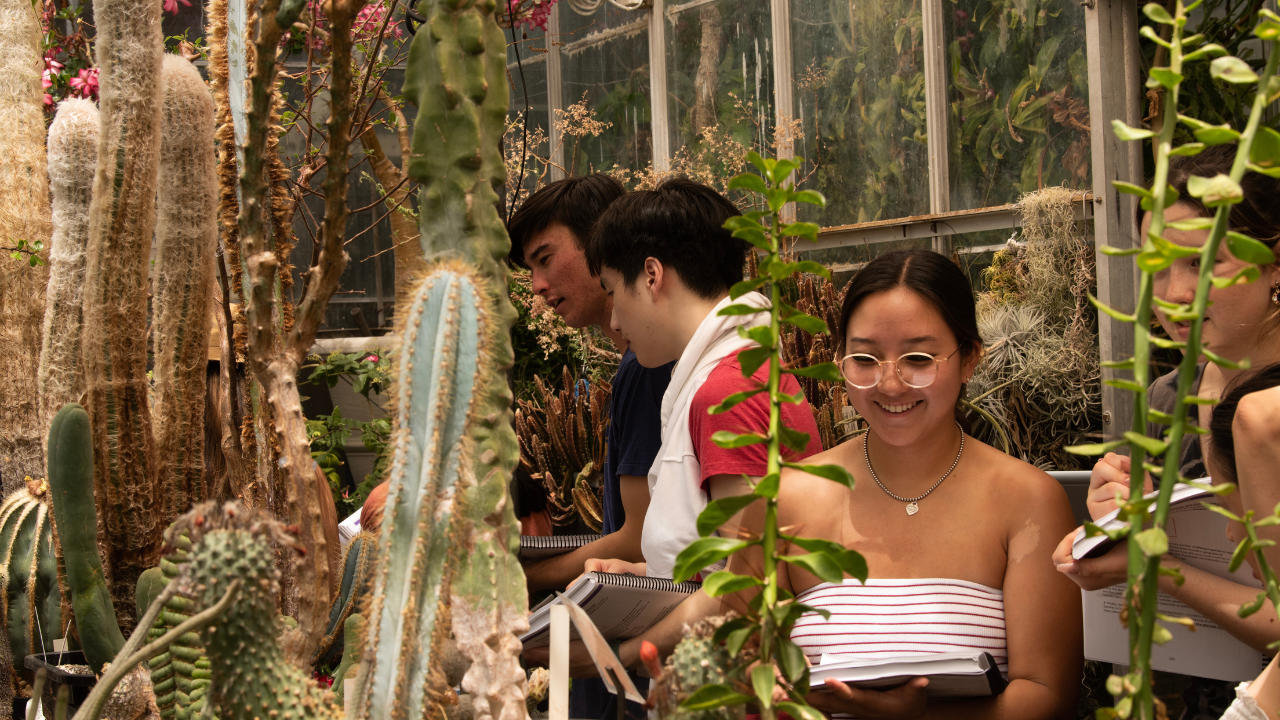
[[527, 72], [1018, 87], [719, 83], [859, 94], [605, 72]]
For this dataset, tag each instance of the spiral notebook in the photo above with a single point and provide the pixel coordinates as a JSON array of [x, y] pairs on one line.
[[621, 606], [538, 547], [951, 675]]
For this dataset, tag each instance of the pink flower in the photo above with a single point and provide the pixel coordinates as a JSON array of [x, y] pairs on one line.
[[538, 13], [51, 68], [171, 6], [85, 84], [372, 358], [48, 100], [369, 22], [46, 81]]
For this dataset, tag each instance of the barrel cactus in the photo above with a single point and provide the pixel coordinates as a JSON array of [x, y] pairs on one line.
[[697, 660], [31, 604]]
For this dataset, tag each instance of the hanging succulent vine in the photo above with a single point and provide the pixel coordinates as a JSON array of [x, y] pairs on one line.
[[1258, 150]]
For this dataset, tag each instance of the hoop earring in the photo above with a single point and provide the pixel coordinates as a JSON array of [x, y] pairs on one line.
[[1275, 294]]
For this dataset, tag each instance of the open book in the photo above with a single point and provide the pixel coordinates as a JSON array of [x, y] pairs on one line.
[[1098, 545], [1197, 537], [621, 606], [538, 547], [951, 675]]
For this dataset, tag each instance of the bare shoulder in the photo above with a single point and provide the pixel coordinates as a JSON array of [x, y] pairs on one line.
[[801, 487], [1257, 418], [1022, 487]]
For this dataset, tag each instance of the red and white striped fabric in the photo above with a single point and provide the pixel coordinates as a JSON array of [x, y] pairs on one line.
[[888, 618]]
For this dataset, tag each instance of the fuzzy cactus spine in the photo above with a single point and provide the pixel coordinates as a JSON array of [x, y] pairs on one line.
[[186, 238], [121, 225], [456, 76], [72, 158], [30, 600], [71, 490]]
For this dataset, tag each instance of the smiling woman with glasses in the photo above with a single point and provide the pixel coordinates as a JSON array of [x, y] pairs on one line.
[[957, 535]]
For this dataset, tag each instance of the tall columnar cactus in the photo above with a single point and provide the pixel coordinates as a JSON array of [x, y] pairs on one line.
[[31, 603], [250, 677], [181, 673], [186, 239], [24, 218], [73, 157], [71, 488], [121, 221], [457, 77], [441, 368]]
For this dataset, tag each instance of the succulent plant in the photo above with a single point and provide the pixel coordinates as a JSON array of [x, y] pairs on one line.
[[181, 673], [31, 604], [356, 578], [697, 661]]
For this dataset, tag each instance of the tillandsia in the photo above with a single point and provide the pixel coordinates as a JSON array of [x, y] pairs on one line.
[[773, 610], [1258, 150]]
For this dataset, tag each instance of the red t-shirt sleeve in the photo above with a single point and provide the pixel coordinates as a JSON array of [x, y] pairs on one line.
[[749, 416]]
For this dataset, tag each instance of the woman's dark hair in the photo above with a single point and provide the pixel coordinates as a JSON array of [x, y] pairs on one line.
[[1257, 216], [1224, 415], [926, 273]]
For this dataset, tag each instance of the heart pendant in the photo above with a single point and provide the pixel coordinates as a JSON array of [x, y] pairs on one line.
[[912, 508]]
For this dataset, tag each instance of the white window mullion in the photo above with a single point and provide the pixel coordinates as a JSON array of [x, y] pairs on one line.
[[658, 86], [554, 101], [935, 98]]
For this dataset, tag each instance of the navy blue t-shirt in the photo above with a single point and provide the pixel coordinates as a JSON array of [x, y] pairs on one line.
[[634, 438], [635, 430]]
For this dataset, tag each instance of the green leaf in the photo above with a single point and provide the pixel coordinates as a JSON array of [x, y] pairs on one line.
[[1095, 449], [752, 358], [1152, 541], [1240, 555], [739, 309], [1107, 309], [1223, 512], [777, 197], [729, 626], [817, 563], [723, 582], [783, 167], [754, 236], [1224, 363], [1129, 188], [1172, 250], [1187, 149], [800, 712], [812, 197], [733, 400], [736, 639], [807, 323], [768, 486], [1215, 191], [703, 553], [1217, 134], [1212, 49], [761, 164], [1250, 608], [1165, 78], [709, 697], [1249, 250], [1121, 384], [1124, 132], [1199, 223], [761, 335], [1268, 27], [805, 230], [1151, 445], [730, 440], [822, 371], [1150, 33], [811, 267], [1233, 70], [762, 681], [718, 512], [1160, 634], [1174, 573], [1119, 252], [795, 440], [1247, 274], [748, 181], [847, 560], [1265, 150], [1157, 13], [1117, 534], [791, 660], [834, 473]]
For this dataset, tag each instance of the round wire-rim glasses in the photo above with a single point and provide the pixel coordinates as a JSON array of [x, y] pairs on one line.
[[921, 369]]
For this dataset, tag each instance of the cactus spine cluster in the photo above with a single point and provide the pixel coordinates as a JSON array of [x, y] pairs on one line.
[[186, 238], [250, 678], [31, 602], [456, 75], [121, 224], [71, 488], [73, 155], [697, 661], [440, 367]]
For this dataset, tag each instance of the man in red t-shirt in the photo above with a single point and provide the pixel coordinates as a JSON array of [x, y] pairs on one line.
[[667, 262]]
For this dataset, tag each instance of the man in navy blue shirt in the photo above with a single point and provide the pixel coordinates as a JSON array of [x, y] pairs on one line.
[[548, 235]]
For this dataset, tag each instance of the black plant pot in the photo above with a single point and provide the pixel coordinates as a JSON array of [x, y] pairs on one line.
[[80, 683]]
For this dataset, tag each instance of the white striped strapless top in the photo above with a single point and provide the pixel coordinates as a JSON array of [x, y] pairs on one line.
[[887, 618]]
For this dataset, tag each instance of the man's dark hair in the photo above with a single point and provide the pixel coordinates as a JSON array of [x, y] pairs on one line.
[[681, 224], [574, 202]]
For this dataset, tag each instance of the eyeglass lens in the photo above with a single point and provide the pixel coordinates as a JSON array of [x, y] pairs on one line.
[[864, 371]]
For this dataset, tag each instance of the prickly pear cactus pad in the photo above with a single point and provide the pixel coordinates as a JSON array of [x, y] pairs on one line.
[[250, 678]]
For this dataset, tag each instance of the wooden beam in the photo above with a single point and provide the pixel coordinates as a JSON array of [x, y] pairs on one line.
[[658, 122]]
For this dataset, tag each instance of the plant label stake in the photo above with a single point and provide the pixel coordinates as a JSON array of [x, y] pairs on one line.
[[558, 705]]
